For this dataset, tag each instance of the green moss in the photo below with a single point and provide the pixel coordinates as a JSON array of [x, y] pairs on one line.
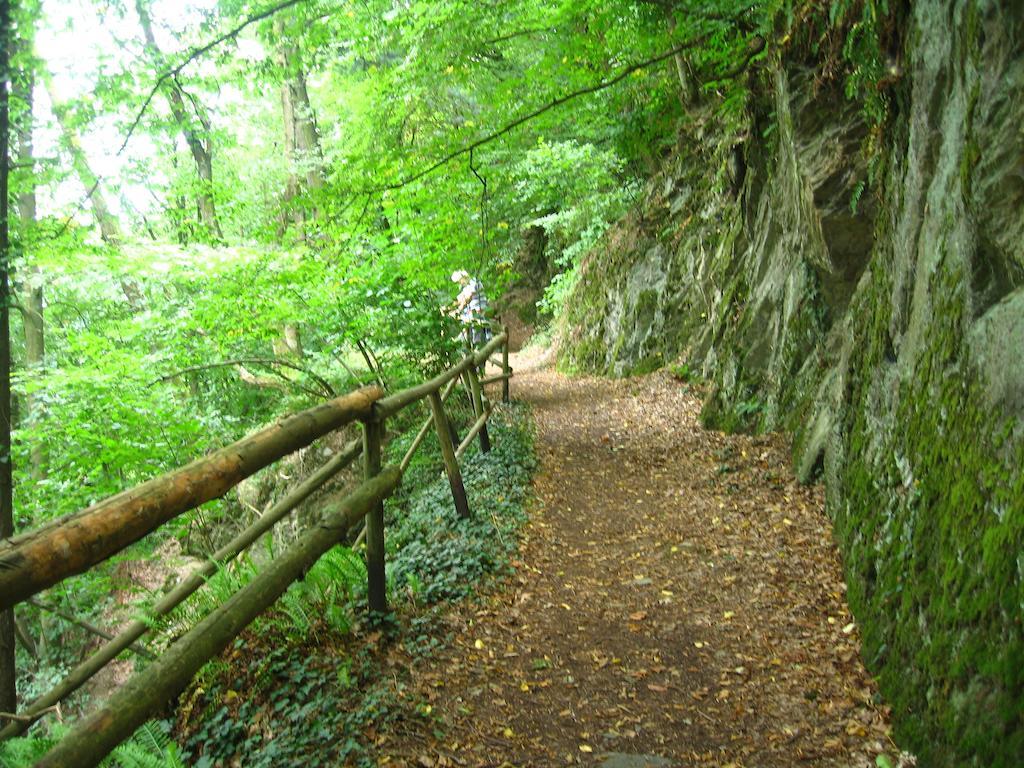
[[972, 150], [582, 355], [648, 364], [930, 518], [646, 307], [736, 409]]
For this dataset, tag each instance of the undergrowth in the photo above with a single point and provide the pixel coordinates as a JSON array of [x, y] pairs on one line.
[[149, 747], [315, 681], [312, 681]]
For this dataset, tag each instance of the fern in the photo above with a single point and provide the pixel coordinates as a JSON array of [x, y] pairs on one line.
[[855, 196], [152, 736], [292, 605], [149, 747], [339, 567], [21, 753], [228, 579]]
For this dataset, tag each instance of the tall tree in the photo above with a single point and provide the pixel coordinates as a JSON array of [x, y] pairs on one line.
[[31, 304], [301, 139], [197, 136], [110, 230], [8, 676]]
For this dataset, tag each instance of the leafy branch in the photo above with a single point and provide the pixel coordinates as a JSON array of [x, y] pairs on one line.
[[325, 386], [519, 121], [198, 51], [172, 74]]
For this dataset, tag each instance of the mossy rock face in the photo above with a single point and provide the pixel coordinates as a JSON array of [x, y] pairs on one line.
[[927, 488], [888, 339]]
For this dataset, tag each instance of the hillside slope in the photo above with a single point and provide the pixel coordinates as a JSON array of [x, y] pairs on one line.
[[883, 330]]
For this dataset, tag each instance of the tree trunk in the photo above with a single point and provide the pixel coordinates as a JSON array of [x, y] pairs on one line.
[[289, 345], [376, 580], [688, 91], [72, 544], [110, 231], [32, 296], [8, 673], [198, 140], [301, 139]]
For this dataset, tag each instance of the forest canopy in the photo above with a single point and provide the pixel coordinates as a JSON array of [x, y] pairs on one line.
[[198, 183]]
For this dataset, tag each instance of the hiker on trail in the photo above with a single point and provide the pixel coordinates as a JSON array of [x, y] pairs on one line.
[[470, 306]]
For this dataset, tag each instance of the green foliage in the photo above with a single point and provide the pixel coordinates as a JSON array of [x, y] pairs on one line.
[[218, 589], [684, 373], [864, 22], [149, 747], [732, 412], [573, 192], [323, 596], [295, 694], [334, 246], [436, 556], [857, 43]]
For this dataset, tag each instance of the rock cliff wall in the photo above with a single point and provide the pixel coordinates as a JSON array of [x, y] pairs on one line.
[[883, 328]]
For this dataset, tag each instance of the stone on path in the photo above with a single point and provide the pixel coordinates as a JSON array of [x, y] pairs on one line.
[[621, 760]]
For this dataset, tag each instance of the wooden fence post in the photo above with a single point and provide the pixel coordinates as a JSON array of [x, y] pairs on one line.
[[451, 464], [478, 407], [504, 367], [453, 431], [373, 433]]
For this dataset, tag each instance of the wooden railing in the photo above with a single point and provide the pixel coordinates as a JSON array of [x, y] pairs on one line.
[[35, 560]]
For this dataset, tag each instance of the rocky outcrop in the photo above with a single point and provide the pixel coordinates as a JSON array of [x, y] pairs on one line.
[[883, 328]]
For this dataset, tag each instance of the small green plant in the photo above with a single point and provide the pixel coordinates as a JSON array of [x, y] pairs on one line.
[[324, 594], [684, 373], [856, 195], [749, 409]]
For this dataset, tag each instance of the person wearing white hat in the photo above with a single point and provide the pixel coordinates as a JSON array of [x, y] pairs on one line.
[[470, 306]]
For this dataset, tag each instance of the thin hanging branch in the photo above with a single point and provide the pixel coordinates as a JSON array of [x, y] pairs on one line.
[[509, 127], [269, 361], [195, 53], [371, 363], [135, 647]]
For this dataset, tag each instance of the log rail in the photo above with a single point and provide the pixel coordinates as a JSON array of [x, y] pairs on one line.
[[35, 560]]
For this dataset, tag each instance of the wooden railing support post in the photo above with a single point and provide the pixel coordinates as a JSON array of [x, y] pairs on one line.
[[451, 464], [453, 431], [504, 367], [373, 434], [478, 407]]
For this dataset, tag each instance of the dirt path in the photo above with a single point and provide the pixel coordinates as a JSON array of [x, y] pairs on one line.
[[678, 595]]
